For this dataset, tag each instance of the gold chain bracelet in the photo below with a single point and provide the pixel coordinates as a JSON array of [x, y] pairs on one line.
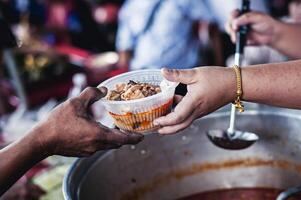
[[237, 102]]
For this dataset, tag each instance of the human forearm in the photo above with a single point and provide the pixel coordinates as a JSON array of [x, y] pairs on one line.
[[69, 130], [286, 39], [276, 84], [18, 157]]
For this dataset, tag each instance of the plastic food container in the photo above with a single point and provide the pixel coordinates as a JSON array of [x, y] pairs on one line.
[[138, 115]]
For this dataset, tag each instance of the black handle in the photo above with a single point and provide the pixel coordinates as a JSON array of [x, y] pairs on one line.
[[181, 89], [241, 35]]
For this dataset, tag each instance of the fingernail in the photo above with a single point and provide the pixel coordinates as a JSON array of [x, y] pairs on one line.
[[137, 135], [103, 89], [160, 132], [156, 123], [141, 137], [167, 70]]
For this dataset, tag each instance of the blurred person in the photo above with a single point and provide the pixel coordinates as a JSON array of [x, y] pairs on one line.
[[68, 131], [159, 33], [264, 53], [85, 31]]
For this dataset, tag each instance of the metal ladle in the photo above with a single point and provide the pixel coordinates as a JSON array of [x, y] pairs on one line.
[[289, 193], [234, 139]]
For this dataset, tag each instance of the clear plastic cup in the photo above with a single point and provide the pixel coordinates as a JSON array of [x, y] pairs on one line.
[[138, 115]]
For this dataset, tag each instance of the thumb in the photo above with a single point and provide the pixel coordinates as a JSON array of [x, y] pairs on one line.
[[91, 94], [176, 75]]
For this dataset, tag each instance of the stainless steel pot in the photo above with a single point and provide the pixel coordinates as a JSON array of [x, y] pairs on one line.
[[170, 167]]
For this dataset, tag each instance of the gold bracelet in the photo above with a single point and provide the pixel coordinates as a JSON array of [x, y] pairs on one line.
[[237, 102]]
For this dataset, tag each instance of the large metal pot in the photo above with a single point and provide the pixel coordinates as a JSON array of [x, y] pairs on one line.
[[175, 166]]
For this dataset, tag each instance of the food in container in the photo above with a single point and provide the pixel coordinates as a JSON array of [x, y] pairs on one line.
[[136, 98], [132, 90]]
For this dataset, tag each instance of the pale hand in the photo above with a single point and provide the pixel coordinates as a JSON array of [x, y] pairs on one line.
[[263, 29], [208, 88]]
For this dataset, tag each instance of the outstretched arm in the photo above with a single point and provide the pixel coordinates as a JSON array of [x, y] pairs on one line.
[[276, 84], [68, 131], [19, 157], [210, 88]]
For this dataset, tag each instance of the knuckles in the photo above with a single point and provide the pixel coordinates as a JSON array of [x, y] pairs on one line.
[[73, 103]]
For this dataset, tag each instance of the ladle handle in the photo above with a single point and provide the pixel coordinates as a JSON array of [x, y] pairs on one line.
[[241, 34], [231, 128], [241, 40]]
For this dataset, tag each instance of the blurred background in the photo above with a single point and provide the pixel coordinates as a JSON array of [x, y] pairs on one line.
[[62, 46]]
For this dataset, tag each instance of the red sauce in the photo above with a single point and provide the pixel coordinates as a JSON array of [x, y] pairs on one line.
[[239, 194]]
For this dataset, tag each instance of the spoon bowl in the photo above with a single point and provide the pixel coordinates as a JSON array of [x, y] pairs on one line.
[[235, 141]]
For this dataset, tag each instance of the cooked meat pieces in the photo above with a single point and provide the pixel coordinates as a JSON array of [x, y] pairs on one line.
[[132, 90], [114, 96]]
